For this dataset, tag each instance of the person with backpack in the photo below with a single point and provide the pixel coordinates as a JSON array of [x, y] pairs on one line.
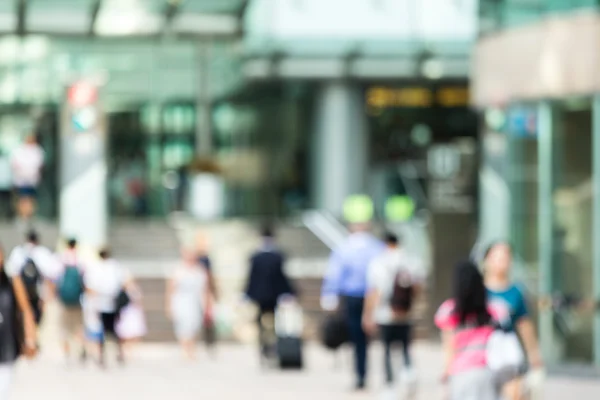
[[394, 280], [17, 327], [70, 291], [37, 268], [468, 322]]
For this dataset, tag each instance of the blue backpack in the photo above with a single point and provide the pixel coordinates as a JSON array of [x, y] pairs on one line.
[[71, 287]]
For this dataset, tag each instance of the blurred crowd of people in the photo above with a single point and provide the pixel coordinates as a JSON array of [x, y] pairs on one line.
[[489, 337], [370, 290]]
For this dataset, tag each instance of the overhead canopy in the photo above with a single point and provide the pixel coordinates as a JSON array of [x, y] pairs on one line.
[[121, 17]]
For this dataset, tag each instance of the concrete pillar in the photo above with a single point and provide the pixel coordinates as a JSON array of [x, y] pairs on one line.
[[204, 145], [83, 169], [340, 146]]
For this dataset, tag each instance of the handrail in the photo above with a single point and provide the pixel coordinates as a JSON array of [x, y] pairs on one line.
[[325, 227]]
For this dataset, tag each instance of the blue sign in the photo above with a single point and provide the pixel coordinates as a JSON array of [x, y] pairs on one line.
[[522, 122], [84, 119]]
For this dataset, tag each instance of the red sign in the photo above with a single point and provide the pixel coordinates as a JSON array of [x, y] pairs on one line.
[[82, 94]]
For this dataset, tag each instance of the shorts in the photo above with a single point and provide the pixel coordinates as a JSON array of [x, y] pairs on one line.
[[109, 324], [71, 321], [26, 191], [94, 336]]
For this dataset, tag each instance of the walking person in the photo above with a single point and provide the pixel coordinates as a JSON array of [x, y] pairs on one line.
[[345, 285], [467, 323], [394, 281], [187, 297], [267, 282], [27, 162], [497, 266], [38, 269], [105, 282], [18, 334], [70, 292]]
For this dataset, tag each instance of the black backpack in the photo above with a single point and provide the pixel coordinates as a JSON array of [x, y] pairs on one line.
[[402, 293], [32, 279]]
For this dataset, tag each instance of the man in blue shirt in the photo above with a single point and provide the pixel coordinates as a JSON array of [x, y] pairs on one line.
[[346, 278]]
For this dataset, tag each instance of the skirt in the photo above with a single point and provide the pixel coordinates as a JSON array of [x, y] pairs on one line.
[[475, 384]]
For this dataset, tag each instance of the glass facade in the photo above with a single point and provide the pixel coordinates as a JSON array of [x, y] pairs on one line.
[[152, 93], [496, 15], [546, 158]]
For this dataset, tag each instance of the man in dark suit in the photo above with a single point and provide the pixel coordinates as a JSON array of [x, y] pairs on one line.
[[266, 283]]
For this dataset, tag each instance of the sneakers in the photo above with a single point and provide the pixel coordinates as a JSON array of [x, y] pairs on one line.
[[409, 376], [409, 380]]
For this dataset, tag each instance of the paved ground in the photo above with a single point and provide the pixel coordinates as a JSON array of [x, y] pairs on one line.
[[158, 372]]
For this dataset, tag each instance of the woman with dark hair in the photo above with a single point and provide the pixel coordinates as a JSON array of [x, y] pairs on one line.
[[17, 327], [497, 264], [467, 322]]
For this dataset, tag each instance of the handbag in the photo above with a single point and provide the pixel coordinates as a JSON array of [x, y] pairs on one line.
[[335, 331], [504, 353], [122, 301]]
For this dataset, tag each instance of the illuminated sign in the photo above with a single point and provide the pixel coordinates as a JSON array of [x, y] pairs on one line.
[[82, 94], [358, 209], [399, 208], [84, 119], [381, 97]]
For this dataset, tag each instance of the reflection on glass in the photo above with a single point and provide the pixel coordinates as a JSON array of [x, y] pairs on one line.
[[572, 269]]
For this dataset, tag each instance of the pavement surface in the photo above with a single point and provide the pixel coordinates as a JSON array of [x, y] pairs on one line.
[[157, 372]]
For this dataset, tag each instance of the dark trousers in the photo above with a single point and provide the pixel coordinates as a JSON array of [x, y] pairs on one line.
[[266, 329], [109, 322], [354, 310], [391, 335]]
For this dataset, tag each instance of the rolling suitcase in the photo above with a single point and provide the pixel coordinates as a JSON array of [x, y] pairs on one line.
[[289, 325]]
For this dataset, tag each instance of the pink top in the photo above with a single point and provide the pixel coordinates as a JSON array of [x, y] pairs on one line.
[[469, 342]]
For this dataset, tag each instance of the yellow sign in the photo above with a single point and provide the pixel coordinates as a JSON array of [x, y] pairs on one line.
[[453, 96], [380, 97]]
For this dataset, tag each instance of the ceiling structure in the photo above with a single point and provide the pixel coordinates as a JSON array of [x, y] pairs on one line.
[[118, 18]]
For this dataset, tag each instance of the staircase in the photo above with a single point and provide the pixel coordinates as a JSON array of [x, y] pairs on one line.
[[12, 235], [149, 249], [300, 242], [147, 240]]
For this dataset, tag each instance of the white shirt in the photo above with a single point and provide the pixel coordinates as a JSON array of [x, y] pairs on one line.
[[381, 276], [47, 263], [105, 278], [70, 258], [27, 161]]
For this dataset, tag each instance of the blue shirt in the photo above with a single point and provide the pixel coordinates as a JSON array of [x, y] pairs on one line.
[[513, 298], [348, 264]]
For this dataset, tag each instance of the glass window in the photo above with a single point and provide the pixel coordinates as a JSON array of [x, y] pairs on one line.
[[572, 229]]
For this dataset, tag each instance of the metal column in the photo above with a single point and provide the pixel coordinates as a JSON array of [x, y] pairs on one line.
[[204, 143], [545, 225], [596, 223]]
